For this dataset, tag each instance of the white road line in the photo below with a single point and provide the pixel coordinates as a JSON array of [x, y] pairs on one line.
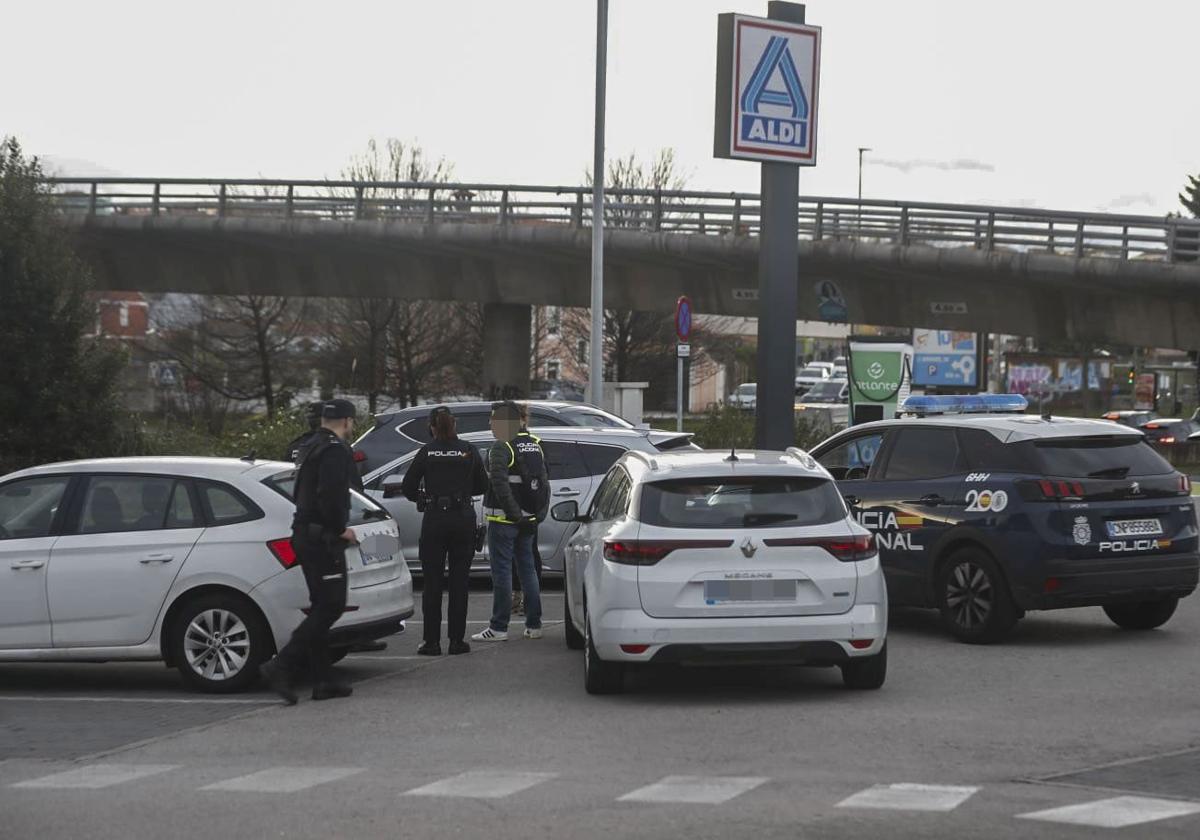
[[54, 698], [708, 790], [96, 776], [910, 797], [284, 779], [483, 784], [1118, 812]]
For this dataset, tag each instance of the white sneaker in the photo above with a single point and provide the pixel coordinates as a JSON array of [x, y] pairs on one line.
[[533, 632], [490, 635]]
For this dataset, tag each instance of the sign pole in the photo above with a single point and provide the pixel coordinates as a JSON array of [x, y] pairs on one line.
[[596, 368], [778, 300], [683, 334]]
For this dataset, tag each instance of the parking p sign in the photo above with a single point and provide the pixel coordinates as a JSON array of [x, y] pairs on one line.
[[767, 79]]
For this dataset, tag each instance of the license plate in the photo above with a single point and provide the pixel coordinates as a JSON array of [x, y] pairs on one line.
[[748, 591], [1135, 528], [369, 559]]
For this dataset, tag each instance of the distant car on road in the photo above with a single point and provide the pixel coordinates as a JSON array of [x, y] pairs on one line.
[[1133, 419], [184, 560], [810, 376], [745, 396], [829, 391], [397, 433], [576, 459], [556, 389], [1168, 431], [707, 558]]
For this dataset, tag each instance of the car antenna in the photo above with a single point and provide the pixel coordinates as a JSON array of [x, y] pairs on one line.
[[250, 457], [733, 454]]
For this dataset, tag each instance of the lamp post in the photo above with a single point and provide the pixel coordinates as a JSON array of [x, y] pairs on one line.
[[596, 368], [861, 150]]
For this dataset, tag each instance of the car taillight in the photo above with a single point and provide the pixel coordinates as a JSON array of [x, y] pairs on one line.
[[1185, 485], [283, 551], [649, 552], [359, 456], [1166, 439], [847, 549], [1060, 489]]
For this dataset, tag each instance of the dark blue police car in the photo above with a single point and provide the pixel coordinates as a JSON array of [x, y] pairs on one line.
[[984, 513]]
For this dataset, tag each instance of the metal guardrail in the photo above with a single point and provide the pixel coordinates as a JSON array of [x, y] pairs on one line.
[[677, 211]]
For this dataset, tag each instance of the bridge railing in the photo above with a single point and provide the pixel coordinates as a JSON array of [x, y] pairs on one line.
[[678, 211]]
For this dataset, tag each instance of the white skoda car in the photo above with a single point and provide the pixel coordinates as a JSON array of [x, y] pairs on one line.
[[722, 558], [184, 560]]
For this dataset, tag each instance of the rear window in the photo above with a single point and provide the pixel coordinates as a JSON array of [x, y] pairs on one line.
[[758, 502], [285, 484], [1098, 458]]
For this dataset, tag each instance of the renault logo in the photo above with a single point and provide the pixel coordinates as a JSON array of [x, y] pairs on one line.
[[748, 547]]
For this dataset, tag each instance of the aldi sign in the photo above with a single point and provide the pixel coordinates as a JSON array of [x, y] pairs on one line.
[[767, 80]]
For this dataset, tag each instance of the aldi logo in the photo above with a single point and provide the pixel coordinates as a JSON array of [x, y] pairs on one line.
[[767, 79]]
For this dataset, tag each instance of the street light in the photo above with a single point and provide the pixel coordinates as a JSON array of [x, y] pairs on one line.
[[596, 368], [861, 149]]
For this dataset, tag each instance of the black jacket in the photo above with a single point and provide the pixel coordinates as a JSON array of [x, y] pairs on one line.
[[447, 469], [326, 474]]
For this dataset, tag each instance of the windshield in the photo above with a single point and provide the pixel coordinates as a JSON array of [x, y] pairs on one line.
[[756, 501], [746, 390], [825, 391], [284, 484], [813, 371], [597, 418], [1099, 458]]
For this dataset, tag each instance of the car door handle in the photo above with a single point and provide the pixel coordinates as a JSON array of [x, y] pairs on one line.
[[157, 558], [931, 499], [28, 564], [567, 491]]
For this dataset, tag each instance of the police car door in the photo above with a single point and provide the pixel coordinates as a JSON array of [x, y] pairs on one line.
[[915, 497]]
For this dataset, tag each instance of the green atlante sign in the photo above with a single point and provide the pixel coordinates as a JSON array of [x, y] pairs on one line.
[[877, 375]]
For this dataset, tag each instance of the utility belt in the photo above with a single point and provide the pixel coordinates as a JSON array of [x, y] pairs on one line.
[[456, 501]]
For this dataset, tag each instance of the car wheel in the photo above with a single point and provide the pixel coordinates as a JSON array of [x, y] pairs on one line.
[[1145, 615], [218, 642], [575, 640], [974, 599], [599, 677], [866, 672]]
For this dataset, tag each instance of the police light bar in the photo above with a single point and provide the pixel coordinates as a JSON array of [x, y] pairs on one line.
[[964, 404]]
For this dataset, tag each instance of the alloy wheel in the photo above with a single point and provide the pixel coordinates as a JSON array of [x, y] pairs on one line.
[[216, 644], [969, 595]]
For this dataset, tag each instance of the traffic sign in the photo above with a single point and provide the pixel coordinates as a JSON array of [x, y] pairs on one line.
[[683, 319], [683, 350], [768, 73]]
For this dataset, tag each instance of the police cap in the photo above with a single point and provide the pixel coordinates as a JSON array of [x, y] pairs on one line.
[[338, 409]]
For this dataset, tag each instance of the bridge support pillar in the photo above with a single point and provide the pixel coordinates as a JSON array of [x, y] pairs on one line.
[[506, 337]]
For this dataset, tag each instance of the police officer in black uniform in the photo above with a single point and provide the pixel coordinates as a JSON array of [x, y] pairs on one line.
[[445, 474], [320, 536]]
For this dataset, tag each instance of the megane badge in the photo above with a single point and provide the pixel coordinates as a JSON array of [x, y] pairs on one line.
[[748, 547]]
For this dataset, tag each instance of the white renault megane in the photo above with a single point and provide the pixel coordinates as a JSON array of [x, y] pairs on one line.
[[722, 558]]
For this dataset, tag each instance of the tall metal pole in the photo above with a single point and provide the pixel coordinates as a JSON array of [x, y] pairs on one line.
[[596, 368], [861, 149], [778, 289]]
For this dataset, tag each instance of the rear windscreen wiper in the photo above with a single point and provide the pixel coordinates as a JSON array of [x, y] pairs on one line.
[[1111, 472]]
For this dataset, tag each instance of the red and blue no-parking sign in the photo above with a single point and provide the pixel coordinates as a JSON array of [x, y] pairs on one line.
[[683, 319]]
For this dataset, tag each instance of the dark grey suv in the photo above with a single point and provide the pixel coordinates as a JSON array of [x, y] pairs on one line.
[[397, 433]]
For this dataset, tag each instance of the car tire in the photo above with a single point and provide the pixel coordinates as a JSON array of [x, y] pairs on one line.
[[575, 639], [218, 642], [1144, 615], [866, 672], [973, 598], [599, 677]]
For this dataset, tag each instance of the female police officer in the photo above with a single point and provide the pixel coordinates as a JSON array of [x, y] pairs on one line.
[[452, 473]]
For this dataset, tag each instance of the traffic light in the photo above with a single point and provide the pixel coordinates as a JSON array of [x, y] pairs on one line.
[[1132, 375]]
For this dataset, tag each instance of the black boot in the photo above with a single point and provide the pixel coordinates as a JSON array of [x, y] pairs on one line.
[[459, 647], [279, 680], [430, 649], [331, 690]]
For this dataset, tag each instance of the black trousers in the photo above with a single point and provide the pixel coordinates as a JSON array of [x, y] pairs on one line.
[[446, 535], [325, 573]]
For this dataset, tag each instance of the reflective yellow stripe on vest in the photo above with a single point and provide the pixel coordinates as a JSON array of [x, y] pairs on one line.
[[500, 518]]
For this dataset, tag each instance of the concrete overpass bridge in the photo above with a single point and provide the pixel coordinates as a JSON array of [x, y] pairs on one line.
[[1109, 278]]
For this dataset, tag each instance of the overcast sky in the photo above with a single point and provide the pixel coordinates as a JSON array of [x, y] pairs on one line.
[[1066, 104]]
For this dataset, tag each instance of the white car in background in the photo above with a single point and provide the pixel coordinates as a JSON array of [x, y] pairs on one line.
[[708, 558], [184, 560], [810, 376], [745, 396]]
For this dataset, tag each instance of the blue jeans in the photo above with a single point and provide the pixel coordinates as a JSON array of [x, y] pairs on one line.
[[505, 544]]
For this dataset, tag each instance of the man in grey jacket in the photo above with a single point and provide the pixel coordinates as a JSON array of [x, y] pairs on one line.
[[518, 497]]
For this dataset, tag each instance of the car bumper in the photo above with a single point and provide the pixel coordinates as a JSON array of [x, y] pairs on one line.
[[1095, 582], [810, 639]]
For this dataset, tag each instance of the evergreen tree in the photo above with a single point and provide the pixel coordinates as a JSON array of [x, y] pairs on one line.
[[57, 389], [1190, 197]]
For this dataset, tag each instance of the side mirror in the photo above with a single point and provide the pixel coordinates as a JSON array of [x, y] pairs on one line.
[[392, 487], [852, 501], [565, 512]]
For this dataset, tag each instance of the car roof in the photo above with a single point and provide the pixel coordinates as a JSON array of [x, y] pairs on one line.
[[1009, 428], [714, 463], [479, 405], [224, 468]]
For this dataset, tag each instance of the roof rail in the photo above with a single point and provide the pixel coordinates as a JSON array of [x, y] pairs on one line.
[[651, 462]]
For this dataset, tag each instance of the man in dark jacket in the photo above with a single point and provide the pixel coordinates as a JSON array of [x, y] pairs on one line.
[[312, 415], [320, 535], [517, 500]]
